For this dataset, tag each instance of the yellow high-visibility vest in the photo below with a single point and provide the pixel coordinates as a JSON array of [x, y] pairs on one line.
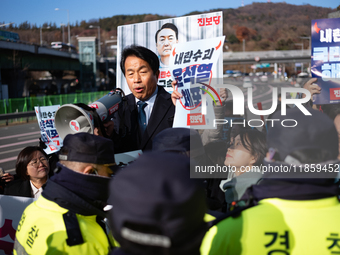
[[42, 230], [278, 226]]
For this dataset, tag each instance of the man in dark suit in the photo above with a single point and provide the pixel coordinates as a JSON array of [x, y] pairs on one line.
[[147, 110]]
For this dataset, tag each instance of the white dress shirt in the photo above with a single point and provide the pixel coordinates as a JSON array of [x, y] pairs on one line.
[[35, 192], [150, 102]]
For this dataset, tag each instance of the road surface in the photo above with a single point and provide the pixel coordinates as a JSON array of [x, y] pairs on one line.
[[13, 139]]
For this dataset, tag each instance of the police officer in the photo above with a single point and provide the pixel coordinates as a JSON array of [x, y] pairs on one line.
[[295, 209], [66, 219]]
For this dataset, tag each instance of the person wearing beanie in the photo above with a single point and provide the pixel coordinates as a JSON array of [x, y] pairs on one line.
[[186, 141], [67, 217], [165, 216], [295, 209]]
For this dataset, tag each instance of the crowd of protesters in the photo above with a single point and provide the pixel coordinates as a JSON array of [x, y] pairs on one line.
[[89, 205]]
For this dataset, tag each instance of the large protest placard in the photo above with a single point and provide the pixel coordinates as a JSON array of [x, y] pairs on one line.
[[325, 59], [194, 64], [49, 134], [160, 36], [11, 209]]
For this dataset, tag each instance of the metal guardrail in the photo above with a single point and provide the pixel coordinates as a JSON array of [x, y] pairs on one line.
[[10, 116]]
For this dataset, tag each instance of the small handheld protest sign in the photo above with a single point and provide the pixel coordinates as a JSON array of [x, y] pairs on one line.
[[49, 135]]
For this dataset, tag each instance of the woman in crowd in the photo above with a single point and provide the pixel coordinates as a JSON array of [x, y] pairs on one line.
[[243, 159], [32, 169]]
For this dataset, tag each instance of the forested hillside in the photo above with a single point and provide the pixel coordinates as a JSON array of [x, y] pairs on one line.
[[264, 26]]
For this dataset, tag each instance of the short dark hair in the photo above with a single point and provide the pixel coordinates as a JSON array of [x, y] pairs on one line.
[[170, 26], [24, 157], [140, 52], [255, 142], [96, 119]]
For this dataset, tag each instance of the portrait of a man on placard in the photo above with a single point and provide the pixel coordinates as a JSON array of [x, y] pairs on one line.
[[165, 38]]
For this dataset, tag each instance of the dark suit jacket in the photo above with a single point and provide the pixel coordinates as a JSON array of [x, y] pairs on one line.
[[127, 136], [21, 188]]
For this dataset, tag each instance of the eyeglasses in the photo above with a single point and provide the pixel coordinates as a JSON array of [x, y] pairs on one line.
[[36, 162]]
